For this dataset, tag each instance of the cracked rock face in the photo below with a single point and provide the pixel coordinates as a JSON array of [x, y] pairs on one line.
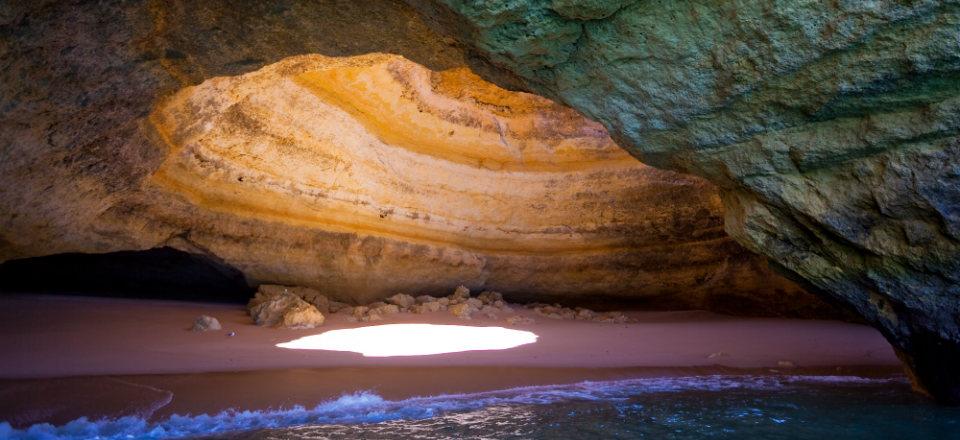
[[829, 127]]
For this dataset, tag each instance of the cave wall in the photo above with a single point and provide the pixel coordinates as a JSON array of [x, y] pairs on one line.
[[94, 162], [829, 127]]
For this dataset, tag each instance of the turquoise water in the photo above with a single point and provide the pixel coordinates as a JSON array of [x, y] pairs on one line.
[[734, 407]]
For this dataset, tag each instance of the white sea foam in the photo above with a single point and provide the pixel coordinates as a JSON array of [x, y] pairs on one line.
[[367, 407]]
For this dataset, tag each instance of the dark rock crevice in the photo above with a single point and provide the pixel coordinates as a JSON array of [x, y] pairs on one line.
[[162, 273]]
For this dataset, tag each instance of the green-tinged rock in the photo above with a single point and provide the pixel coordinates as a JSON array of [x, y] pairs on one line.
[[831, 127]]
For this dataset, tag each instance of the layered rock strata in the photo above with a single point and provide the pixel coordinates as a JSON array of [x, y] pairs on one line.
[[96, 160], [433, 178], [831, 129]]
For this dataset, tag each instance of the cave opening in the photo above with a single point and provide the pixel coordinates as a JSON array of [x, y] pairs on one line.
[[158, 273]]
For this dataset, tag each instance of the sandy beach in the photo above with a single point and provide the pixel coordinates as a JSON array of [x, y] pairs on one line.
[[112, 357]]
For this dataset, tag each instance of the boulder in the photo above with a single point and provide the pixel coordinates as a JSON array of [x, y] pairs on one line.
[[402, 300], [386, 309], [359, 312], [433, 306], [309, 295], [337, 306], [205, 323], [462, 293], [274, 307], [584, 314], [462, 310], [489, 312], [490, 297]]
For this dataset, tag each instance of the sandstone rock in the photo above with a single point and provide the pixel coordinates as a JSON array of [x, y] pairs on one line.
[[490, 297], [612, 318], [359, 312], [462, 310], [205, 323], [309, 295], [519, 320], [555, 311], [300, 316], [426, 299], [280, 308], [460, 294], [402, 300], [372, 315], [291, 174], [427, 307], [386, 309], [337, 306], [319, 301], [489, 312], [584, 314]]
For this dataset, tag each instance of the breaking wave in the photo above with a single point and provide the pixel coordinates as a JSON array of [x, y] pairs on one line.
[[368, 407]]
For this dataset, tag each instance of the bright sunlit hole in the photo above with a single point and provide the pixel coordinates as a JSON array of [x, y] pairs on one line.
[[413, 339]]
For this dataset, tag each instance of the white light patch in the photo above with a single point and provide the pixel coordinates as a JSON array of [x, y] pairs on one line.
[[413, 339]]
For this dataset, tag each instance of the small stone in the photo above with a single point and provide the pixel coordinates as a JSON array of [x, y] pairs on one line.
[[519, 320], [554, 312], [337, 306], [359, 311], [717, 354], [462, 311], [386, 309], [490, 297], [584, 314], [462, 293], [231, 334], [489, 312], [402, 300], [612, 317], [205, 323], [434, 306], [502, 305]]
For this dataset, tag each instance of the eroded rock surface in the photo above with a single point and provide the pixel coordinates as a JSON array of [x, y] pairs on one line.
[[432, 178], [361, 175], [831, 129], [287, 307]]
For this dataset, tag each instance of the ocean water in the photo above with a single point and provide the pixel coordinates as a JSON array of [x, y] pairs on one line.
[[723, 407]]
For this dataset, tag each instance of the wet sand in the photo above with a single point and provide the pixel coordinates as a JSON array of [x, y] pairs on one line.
[[65, 357]]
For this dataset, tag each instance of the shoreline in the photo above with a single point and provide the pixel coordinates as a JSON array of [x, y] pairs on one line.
[[70, 357], [157, 397]]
